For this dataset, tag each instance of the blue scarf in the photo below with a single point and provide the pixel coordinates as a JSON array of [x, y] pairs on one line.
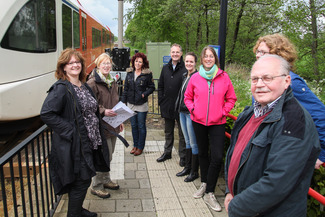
[[208, 75]]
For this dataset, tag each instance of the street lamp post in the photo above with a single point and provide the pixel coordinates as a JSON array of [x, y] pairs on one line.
[[222, 32], [120, 24]]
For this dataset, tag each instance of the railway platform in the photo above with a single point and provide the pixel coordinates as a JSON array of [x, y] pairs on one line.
[[148, 188]]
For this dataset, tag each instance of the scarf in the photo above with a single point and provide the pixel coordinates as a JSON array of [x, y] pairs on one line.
[[208, 75], [108, 80]]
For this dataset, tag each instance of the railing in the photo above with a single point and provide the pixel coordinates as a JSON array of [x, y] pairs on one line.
[[152, 99], [320, 198], [25, 183]]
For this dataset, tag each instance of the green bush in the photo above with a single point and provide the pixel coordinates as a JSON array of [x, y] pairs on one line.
[[314, 208]]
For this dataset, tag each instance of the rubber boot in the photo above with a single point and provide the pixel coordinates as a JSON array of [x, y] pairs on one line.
[[194, 170], [188, 159]]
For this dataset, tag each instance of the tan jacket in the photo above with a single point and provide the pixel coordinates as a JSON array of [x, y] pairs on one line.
[[107, 98]]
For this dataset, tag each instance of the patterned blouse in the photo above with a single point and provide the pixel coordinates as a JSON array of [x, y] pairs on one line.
[[89, 107]]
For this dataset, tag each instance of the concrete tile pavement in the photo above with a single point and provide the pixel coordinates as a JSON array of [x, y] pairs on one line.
[[148, 188]]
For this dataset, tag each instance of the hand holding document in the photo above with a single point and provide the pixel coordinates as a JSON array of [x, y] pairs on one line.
[[123, 113]]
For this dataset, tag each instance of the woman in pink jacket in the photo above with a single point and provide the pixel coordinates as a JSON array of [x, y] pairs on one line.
[[209, 97]]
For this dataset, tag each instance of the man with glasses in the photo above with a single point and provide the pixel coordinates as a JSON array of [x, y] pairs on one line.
[[280, 45], [273, 148]]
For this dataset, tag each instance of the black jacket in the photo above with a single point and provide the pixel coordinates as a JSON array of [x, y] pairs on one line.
[[169, 83], [70, 143], [133, 90], [180, 105]]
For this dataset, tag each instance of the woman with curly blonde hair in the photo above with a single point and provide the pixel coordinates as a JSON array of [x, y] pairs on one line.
[[280, 45], [276, 44]]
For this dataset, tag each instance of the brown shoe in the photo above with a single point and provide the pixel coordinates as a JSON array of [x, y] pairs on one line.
[[100, 193], [111, 185], [138, 152], [134, 149]]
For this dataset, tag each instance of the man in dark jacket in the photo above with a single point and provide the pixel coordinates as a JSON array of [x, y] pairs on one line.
[[273, 149], [169, 83]]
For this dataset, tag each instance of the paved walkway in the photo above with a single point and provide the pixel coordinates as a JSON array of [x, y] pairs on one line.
[[148, 188]]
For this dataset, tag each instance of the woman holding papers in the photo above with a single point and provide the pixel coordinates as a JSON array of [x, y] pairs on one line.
[[105, 89], [138, 86], [71, 111]]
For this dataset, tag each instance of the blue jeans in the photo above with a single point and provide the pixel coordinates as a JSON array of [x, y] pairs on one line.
[[139, 129], [188, 132]]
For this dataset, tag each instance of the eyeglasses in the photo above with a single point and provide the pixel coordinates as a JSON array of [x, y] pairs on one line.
[[261, 52], [106, 64], [265, 78], [75, 62]]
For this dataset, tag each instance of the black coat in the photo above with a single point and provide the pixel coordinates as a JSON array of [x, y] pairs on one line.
[[180, 105], [169, 84], [133, 90], [70, 143]]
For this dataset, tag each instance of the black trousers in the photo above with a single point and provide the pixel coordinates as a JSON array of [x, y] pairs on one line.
[[169, 137], [77, 194], [210, 139]]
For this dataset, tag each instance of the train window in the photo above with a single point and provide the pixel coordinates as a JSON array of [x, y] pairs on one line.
[[84, 33], [103, 36], [108, 42], [66, 26], [33, 28], [96, 38], [76, 30]]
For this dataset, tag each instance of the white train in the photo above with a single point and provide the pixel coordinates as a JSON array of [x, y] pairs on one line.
[[32, 35]]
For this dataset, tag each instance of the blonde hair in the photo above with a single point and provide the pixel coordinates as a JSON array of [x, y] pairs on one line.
[[103, 57], [279, 45]]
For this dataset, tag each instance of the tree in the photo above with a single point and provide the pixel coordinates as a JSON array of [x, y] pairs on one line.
[[304, 24], [195, 23], [247, 20]]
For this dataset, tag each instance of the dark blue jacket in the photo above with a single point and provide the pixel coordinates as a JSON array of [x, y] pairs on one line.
[[277, 164], [313, 105]]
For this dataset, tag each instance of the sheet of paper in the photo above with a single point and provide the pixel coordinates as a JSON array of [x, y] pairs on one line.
[[123, 113]]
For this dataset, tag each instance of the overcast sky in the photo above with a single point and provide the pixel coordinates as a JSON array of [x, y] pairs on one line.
[[105, 11]]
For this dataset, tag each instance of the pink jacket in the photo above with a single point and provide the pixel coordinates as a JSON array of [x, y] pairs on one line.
[[209, 106]]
